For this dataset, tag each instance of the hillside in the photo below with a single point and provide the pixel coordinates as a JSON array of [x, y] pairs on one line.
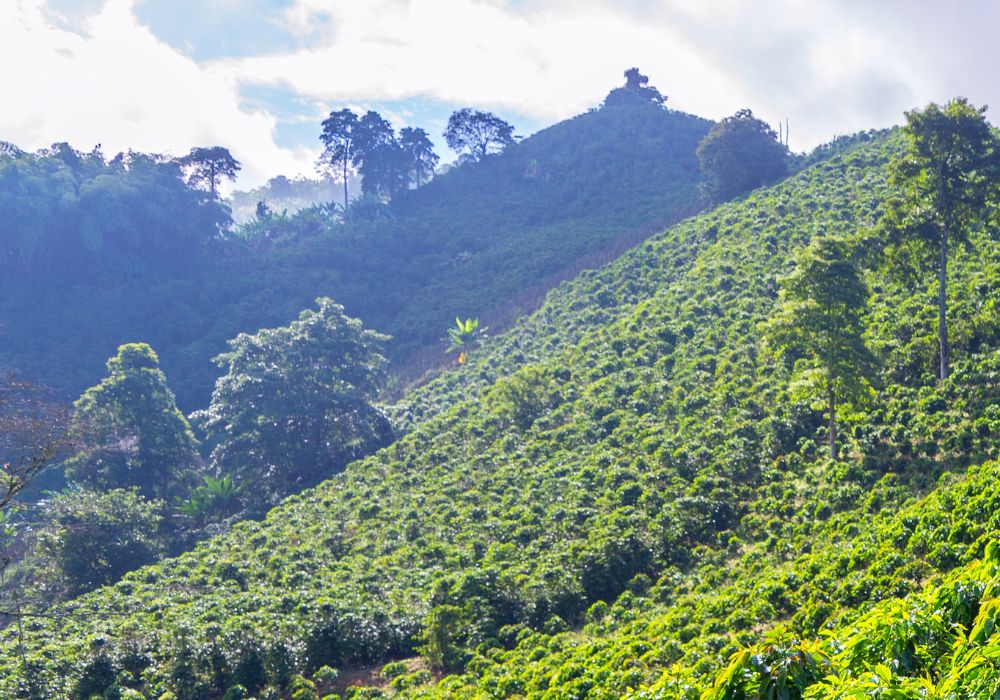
[[482, 240], [630, 441]]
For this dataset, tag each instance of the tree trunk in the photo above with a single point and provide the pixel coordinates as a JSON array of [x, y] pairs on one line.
[[832, 434], [943, 304], [345, 184]]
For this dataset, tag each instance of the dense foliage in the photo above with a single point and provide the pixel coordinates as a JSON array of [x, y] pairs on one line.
[[625, 459], [740, 153], [79, 218], [475, 134], [479, 240], [90, 538], [294, 405], [128, 431]]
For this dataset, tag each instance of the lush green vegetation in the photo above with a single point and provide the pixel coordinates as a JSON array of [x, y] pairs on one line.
[[83, 219], [739, 154], [482, 239], [610, 499]]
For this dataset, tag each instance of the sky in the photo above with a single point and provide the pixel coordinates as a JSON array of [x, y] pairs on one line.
[[259, 76]]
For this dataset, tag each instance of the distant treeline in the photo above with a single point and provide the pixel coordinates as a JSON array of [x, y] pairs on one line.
[[69, 213]]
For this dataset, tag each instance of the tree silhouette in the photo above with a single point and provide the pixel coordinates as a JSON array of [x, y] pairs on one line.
[[338, 143], [637, 90], [477, 134], [378, 156], [419, 154], [207, 166]]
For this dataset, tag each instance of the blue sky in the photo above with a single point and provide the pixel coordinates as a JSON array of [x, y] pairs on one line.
[[258, 76]]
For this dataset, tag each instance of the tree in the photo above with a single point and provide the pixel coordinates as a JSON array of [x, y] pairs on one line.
[[293, 406], [477, 134], [33, 434], [637, 90], [819, 315], [378, 157], [420, 158], [130, 431], [338, 143], [949, 185], [207, 166], [89, 538], [739, 154], [68, 215]]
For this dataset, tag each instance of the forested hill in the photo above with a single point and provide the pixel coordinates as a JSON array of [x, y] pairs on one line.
[[609, 500], [98, 262]]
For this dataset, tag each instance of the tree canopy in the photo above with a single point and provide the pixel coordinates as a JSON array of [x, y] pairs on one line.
[[294, 405], [477, 134], [68, 214], [379, 157], [387, 164], [738, 154], [129, 430], [90, 538], [420, 158], [207, 166], [636, 90]]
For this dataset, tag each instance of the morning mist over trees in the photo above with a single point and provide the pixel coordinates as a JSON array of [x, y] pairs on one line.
[[499, 350]]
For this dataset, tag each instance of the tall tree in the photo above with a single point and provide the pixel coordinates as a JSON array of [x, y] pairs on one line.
[[478, 134], [129, 430], [740, 153], [338, 143], [949, 185], [294, 405], [378, 156], [207, 166], [820, 316], [419, 154]]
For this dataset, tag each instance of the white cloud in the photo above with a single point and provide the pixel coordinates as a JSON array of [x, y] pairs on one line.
[[112, 82], [830, 66]]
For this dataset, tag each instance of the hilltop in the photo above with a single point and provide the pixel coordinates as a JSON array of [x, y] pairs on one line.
[[485, 239], [610, 498]]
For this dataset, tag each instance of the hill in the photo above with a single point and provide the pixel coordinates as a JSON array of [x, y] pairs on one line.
[[485, 239], [609, 499]]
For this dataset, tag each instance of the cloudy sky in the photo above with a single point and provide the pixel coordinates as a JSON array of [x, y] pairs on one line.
[[258, 76]]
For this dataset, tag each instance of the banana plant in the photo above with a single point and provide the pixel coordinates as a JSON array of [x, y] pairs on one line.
[[220, 496], [463, 337]]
